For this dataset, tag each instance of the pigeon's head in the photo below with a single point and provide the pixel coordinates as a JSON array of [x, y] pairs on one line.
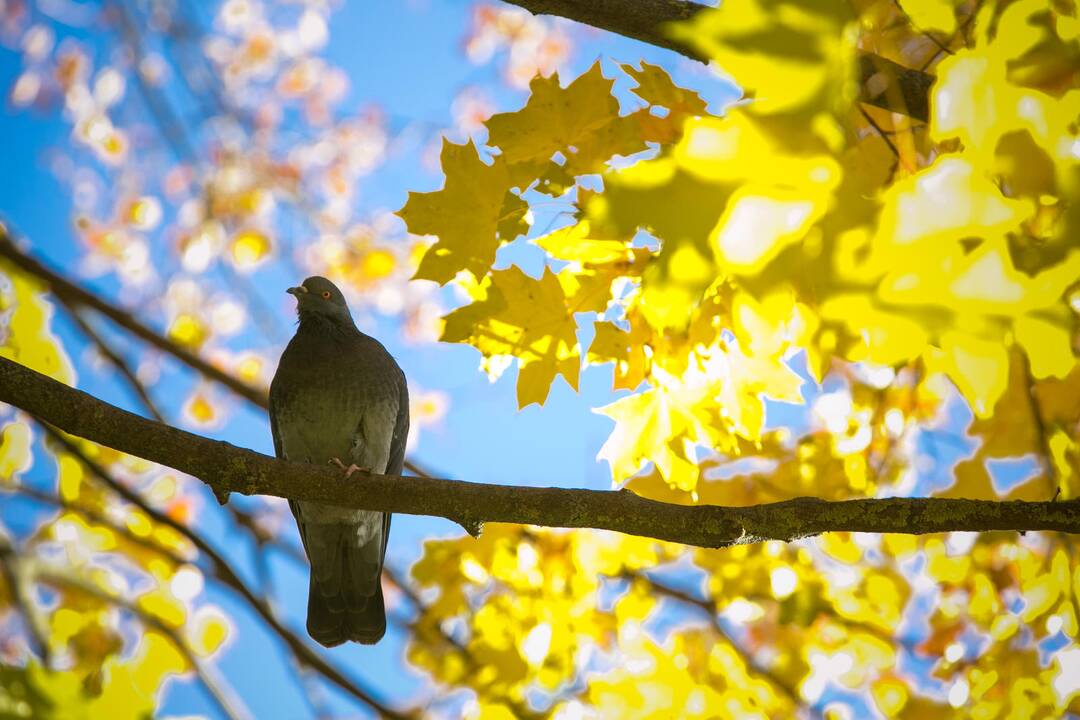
[[320, 298]]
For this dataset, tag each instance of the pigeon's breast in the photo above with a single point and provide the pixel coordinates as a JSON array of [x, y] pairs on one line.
[[340, 401], [317, 424], [321, 419]]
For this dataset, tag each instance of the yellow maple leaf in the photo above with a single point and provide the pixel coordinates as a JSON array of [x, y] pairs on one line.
[[931, 14], [16, 454], [626, 349], [655, 87], [471, 216], [577, 243], [581, 121], [29, 339], [525, 318]]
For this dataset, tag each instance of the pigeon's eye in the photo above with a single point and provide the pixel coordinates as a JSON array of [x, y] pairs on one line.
[[326, 294]]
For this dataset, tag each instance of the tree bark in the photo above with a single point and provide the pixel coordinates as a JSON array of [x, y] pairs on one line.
[[226, 468], [883, 83]]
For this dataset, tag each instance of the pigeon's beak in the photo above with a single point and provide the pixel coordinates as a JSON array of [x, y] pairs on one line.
[[297, 291]]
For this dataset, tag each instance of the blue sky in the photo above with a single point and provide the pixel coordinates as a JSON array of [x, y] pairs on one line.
[[406, 58]]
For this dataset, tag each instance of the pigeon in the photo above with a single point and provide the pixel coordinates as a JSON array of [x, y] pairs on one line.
[[339, 397]]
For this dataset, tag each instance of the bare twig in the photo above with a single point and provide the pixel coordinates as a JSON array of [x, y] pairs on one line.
[[882, 134], [73, 294], [230, 705], [172, 127], [709, 608], [224, 571], [960, 32], [223, 695], [1042, 433], [24, 604], [519, 709], [97, 518], [116, 360]]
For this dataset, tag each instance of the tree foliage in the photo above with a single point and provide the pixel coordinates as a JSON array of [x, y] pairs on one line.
[[882, 285], [717, 254]]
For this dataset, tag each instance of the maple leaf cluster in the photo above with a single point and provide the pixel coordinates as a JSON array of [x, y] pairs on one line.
[[899, 279]]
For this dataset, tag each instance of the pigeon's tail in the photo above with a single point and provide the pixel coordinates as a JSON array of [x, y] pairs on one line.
[[329, 628], [345, 599]]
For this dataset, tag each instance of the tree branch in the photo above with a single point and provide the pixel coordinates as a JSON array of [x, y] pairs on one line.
[[37, 632], [223, 695], [709, 608], [116, 360], [226, 699], [224, 572], [642, 20], [172, 127], [230, 469], [883, 83], [71, 295]]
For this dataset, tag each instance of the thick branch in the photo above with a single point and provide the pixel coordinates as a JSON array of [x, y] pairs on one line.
[[883, 83], [230, 469], [642, 20]]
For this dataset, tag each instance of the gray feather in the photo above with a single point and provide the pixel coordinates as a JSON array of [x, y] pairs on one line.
[[339, 394]]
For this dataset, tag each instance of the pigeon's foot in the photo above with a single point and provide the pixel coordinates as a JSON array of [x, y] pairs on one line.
[[348, 470]]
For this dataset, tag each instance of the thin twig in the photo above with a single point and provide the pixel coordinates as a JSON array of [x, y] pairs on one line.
[[174, 129], [24, 605], [907, 91], [226, 577], [831, 615], [1042, 435], [223, 695], [96, 518], [882, 134], [304, 653], [64, 288], [959, 33], [709, 608], [115, 359], [519, 709], [226, 699], [925, 33]]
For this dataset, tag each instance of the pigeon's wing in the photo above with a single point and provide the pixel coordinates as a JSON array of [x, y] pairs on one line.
[[401, 431], [397, 456], [374, 429], [279, 451], [272, 412]]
